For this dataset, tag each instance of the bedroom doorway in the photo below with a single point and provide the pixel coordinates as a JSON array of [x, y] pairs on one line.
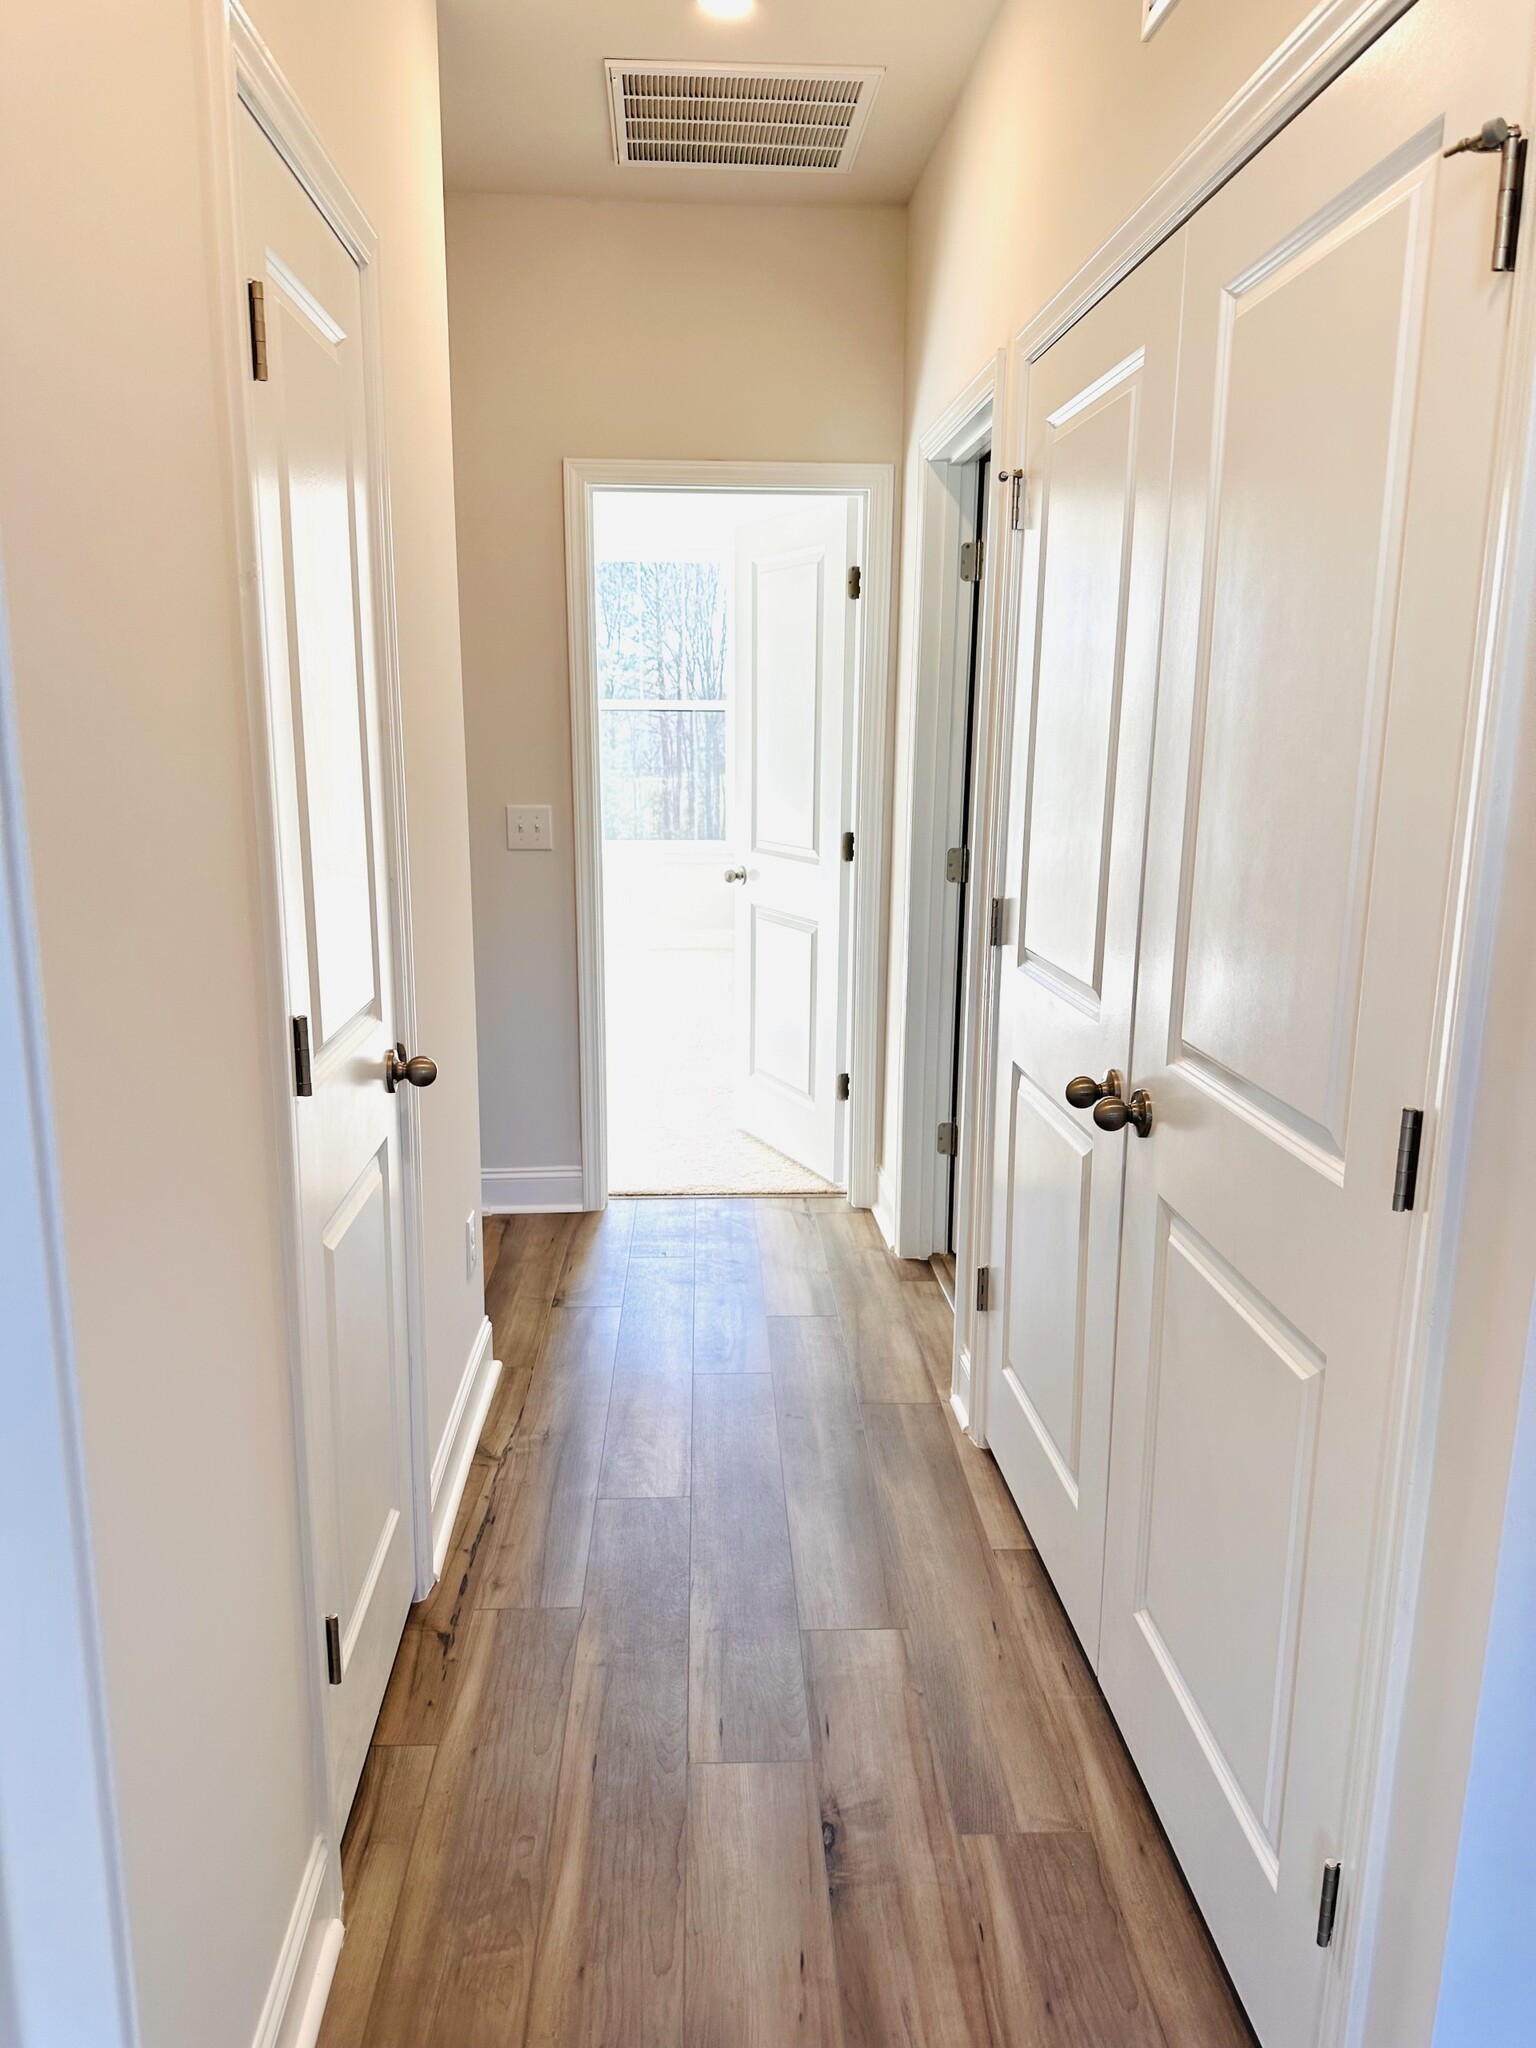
[[723, 654]]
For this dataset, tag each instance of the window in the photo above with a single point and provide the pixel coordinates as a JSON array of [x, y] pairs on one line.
[[662, 632]]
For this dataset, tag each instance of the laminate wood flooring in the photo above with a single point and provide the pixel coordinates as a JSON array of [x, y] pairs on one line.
[[745, 1714]]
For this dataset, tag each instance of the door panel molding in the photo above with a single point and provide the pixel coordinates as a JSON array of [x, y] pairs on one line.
[[871, 486]]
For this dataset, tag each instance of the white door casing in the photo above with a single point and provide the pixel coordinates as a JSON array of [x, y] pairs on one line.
[[1097, 454], [318, 568], [794, 675], [1340, 364]]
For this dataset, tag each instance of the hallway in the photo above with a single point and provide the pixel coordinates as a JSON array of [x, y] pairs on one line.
[[744, 1712]]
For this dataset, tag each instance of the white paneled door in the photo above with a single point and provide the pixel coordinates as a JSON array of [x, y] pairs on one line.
[[795, 644], [1340, 359], [318, 579], [1241, 745], [1099, 436]]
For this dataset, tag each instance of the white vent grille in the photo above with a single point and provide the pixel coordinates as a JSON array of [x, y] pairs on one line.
[[742, 117]]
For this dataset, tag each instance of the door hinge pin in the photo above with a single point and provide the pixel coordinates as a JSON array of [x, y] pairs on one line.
[[855, 582], [844, 1087], [303, 1073], [1328, 1904], [847, 846], [256, 301], [1014, 478], [333, 1649], [957, 864], [995, 922], [973, 554], [949, 1140], [1505, 140], [983, 1289], [1409, 1137]]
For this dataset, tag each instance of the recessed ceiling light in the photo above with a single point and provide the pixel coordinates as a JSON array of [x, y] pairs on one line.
[[728, 10]]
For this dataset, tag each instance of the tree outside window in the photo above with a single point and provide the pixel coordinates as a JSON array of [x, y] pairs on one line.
[[662, 634]]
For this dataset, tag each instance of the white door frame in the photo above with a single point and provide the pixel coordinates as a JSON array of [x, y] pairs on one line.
[[1454, 1279], [242, 73], [939, 637], [65, 1963], [871, 487]]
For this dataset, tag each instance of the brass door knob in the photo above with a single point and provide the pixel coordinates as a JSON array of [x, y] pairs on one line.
[[418, 1069], [1084, 1092], [1111, 1114]]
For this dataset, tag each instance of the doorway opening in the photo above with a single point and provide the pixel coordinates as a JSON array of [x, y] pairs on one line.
[[724, 686]]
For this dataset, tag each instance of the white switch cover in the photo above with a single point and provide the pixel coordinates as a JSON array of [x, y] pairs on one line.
[[530, 828]]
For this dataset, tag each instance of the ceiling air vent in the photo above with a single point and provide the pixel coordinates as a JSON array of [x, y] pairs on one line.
[[740, 116]]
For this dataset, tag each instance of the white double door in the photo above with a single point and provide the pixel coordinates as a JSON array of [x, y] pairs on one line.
[[795, 639], [318, 579], [1260, 478]]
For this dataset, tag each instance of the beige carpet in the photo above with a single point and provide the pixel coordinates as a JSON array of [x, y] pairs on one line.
[[671, 1095]]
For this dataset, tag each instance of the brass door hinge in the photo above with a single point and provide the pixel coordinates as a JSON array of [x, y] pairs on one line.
[[303, 1071], [1504, 140], [1328, 1904], [256, 304], [973, 554], [1405, 1184], [855, 582]]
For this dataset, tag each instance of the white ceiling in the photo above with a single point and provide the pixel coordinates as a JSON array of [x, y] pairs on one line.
[[525, 104]]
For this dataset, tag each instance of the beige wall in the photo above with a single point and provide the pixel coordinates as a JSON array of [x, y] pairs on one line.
[[116, 534], [593, 328]]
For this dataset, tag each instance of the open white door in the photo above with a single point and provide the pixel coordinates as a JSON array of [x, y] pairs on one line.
[[795, 644], [318, 578], [1099, 439], [1342, 344]]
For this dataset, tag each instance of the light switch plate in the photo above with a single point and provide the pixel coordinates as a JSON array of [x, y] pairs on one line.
[[530, 828]]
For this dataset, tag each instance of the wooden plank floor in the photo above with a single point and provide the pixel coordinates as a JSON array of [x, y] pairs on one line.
[[745, 1714]]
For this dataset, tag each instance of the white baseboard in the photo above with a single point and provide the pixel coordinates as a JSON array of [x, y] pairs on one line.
[[306, 1963], [530, 1190], [450, 1468], [885, 1206]]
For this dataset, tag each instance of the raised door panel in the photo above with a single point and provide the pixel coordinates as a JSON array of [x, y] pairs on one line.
[[328, 601], [1086, 518], [359, 1287], [786, 705], [1050, 1214], [782, 968], [1315, 363], [1226, 1487]]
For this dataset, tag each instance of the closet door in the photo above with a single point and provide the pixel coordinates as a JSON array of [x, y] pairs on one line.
[[1098, 443], [1341, 350]]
